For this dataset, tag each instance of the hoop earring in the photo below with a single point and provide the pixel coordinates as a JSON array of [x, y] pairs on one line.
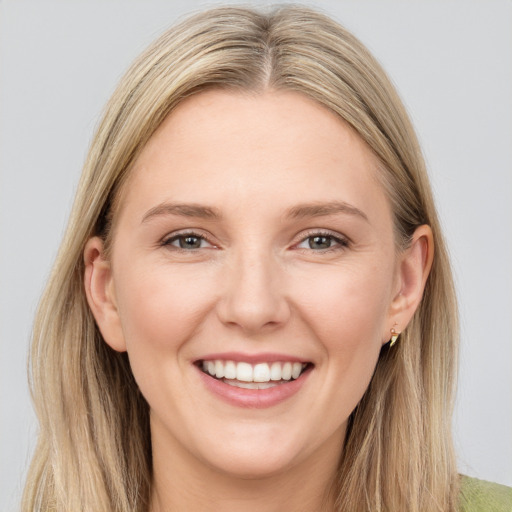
[[394, 336]]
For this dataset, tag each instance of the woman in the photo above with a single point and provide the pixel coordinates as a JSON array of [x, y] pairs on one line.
[[253, 305]]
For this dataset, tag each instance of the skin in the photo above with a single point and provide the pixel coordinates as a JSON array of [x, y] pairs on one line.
[[253, 285]]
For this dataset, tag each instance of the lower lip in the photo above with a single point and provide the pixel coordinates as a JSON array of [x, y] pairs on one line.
[[253, 398]]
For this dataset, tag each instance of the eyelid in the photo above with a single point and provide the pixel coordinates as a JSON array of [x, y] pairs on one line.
[[342, 241], [170, 237]]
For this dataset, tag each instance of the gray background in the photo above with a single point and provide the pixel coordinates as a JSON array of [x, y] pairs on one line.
[[452, 63]]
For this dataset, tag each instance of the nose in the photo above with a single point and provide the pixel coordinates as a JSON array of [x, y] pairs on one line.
[[253, 297]]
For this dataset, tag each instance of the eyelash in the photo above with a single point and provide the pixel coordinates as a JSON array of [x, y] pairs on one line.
[[167, 242], [339, 242]]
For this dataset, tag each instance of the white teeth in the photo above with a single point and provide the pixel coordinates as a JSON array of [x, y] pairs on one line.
[[244, 372], [219, 369], [286, 373], [250, 385], [275, 371], [266, 385], [261, 373], [230, 370], [296, 370]]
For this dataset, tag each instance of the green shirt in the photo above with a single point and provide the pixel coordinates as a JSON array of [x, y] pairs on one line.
[[480, 496]]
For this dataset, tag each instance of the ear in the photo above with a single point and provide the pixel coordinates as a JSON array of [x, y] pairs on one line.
[[413, 269], [100, 292]]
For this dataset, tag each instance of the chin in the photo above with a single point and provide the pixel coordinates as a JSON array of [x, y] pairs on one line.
[[258, 453], [253, 466]]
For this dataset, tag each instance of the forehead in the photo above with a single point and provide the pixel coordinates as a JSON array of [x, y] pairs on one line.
[[234, 149]]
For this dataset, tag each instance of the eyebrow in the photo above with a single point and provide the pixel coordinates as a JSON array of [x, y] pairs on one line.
[[323, 209], [318, 209], [183, 210]]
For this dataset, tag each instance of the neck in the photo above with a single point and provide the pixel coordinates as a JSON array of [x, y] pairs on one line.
[[185, 483]]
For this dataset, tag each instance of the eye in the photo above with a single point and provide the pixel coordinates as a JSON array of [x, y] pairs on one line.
[[187, 241], [322, 242]]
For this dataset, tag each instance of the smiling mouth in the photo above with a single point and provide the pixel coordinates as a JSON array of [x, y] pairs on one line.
[[253, 376]]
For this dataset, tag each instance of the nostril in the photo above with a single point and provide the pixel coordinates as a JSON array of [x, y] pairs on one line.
[[253, 303]]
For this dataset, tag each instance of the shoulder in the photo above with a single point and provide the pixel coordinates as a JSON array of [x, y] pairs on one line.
[[481, 496]]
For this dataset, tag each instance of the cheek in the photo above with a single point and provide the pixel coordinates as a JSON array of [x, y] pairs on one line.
[[161, 308], [348, 307], [349, 321]]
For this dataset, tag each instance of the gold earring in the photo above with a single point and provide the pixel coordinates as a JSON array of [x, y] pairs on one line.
[[394, 336]]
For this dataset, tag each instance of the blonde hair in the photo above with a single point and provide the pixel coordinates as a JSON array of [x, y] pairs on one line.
[[94, 448]]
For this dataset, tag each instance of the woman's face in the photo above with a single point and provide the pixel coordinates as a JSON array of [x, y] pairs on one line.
[[253, 242]]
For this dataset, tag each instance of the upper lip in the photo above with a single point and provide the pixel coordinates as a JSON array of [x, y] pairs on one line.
[[264, 357]]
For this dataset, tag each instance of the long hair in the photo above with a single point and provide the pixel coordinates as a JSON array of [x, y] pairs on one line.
[[94, 447]]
